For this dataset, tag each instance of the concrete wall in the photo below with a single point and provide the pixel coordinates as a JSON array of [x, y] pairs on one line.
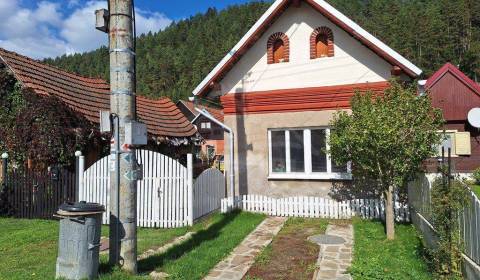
[[251, 153], [352, 63]]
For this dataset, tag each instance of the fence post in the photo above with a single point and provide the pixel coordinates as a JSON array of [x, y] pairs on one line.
[[79, 169], [190, 188], [4, 170]]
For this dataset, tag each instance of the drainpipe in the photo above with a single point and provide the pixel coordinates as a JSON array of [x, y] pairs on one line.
[[206, 114]]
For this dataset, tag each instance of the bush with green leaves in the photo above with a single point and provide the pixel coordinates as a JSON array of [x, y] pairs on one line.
[[476, 176], [386, 137], [449, 198]]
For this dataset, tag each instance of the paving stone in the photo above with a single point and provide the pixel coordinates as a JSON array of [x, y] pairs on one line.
[[333, 261], [158, 275], [236, 265]]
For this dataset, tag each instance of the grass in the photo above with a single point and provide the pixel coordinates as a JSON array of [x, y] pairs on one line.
[[194, 259], [476, 189], [28, 248], [377, 258]]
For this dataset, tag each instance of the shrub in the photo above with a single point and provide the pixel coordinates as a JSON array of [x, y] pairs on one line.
[[449, 197], [476, 176]]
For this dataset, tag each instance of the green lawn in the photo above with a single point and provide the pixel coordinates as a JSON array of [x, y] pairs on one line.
[[377, 258], [28, 248], [476, 189]]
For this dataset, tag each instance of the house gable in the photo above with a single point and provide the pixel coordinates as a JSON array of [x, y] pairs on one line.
[[453, 92], [246, 67]]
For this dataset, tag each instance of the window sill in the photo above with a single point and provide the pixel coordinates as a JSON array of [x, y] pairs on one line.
[[303, 176]]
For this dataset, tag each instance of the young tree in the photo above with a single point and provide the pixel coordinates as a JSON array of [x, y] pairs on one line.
[[386, 137]]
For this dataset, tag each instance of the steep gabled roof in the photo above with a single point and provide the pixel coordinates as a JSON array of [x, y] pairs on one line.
[[277, 8], [216, 113], [89, 96], [450, 68]]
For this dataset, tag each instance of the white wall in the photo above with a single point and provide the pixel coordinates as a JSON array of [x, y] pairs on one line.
[[352, 63]]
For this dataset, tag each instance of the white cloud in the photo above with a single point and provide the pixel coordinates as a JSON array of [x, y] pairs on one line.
[[45, 32]]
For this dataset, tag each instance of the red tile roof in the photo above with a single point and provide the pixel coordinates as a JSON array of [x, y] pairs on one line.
[[89, 96], [216, 113]]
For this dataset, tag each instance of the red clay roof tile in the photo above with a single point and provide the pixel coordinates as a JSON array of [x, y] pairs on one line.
[[90, 95]]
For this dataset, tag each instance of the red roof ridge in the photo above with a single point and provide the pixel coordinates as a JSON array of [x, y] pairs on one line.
[[450, 68], [53, 68]]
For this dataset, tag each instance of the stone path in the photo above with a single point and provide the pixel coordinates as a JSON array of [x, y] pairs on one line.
[[237, 264], [335, 259], [177, 241]]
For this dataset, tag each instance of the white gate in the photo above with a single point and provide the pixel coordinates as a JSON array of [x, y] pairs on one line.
[[164, 196], [208, 191]]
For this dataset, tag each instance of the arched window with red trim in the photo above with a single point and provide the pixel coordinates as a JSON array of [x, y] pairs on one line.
[[321, 43], [278, 48]]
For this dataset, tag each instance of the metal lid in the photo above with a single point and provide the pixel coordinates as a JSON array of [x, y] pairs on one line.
[[82, 206]]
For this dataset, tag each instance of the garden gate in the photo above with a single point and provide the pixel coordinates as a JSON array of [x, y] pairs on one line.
[[166, 197], [208, 191]]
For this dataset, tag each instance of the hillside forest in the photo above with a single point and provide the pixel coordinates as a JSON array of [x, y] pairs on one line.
[[171, 62]]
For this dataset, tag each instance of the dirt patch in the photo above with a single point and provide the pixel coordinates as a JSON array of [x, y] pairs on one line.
[[290, 255]]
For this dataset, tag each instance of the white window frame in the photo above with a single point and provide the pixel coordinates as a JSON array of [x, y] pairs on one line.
[[206, 125], [308, 174]]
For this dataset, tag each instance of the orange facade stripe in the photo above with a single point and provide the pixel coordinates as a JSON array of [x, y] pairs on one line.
[[294, 100]]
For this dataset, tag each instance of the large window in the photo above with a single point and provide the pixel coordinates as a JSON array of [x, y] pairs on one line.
[[301, 154]]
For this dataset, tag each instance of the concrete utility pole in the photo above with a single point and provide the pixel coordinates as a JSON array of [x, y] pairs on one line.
[[123, 201]]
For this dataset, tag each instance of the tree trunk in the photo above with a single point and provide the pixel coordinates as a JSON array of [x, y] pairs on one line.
[[389, 214]]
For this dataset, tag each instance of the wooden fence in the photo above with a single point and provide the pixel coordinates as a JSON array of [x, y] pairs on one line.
[[166, 196], [208, 191], [37, 195], [315, 207], [419, 193]]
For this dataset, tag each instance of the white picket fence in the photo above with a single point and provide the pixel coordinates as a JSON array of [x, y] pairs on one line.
[[208, 191], [314, 207]]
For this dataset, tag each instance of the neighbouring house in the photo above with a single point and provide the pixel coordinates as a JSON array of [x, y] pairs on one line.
[[168, 129], [280, 86], [212, 133], [456, 94]]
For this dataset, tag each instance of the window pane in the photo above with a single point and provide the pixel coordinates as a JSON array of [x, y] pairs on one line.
[[278, 51], [297, 157], [279, 163], [322, 45], [319, 158]]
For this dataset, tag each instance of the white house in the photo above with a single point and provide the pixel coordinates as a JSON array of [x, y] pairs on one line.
[[280, 85]]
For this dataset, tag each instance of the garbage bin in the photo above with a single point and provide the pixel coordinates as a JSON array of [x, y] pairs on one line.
[[79, 240]]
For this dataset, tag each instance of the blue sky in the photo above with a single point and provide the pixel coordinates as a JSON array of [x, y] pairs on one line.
[[48, 28]]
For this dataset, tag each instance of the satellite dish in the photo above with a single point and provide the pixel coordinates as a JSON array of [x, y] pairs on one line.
[[474, 117]]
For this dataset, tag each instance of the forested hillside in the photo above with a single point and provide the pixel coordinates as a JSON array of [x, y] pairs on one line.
[[172, 62]]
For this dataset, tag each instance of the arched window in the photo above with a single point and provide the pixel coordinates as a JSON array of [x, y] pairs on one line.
[[321, 43], [278, 49]]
